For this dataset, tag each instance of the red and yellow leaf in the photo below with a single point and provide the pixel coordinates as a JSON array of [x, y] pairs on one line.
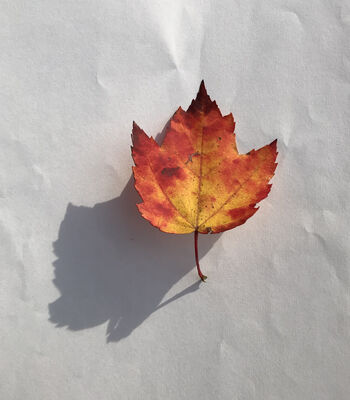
[[196, 181]]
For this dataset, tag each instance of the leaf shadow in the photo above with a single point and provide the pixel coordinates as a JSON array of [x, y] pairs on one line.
[[113, 266]]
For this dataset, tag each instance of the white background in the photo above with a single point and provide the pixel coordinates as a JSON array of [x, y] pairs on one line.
[[97, 304]]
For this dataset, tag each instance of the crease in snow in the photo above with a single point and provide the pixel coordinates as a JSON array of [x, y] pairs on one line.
[[184, 54], [100, 82], [295, 16], [13, 247], [333, 256]]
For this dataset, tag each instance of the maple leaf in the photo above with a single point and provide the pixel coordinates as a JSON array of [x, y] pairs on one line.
[[196, 181]]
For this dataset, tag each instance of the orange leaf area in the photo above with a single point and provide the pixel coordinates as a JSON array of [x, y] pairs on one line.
[[196, 180]]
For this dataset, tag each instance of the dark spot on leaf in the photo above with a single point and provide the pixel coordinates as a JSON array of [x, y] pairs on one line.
[[170, 171], [192, 155]]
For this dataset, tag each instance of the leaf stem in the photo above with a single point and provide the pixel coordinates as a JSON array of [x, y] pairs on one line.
[[203, 277]]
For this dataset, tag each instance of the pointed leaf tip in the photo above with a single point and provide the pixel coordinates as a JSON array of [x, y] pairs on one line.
[[273, 144], [202, 102], [136, 129], [202, 90]]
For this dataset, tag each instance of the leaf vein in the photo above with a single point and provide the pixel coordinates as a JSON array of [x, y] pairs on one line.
[[231, 195]]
